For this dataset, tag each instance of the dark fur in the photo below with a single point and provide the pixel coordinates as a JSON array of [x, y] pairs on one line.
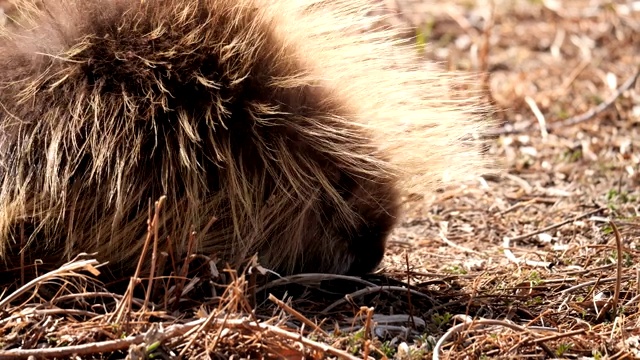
[[108, 105]]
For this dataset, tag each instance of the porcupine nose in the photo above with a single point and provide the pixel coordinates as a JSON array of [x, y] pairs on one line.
[[369, 245], [378, 217]]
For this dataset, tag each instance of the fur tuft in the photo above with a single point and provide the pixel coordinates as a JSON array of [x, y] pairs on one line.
[[285, 128]]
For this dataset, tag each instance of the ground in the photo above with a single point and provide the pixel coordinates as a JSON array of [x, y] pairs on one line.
[[539, 261]]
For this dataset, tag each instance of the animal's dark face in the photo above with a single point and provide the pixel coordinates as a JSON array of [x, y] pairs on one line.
[[377, 205], [333, 244], [369, 243]]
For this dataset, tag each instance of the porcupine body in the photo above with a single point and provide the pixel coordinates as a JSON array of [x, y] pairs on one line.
[[283, 128]]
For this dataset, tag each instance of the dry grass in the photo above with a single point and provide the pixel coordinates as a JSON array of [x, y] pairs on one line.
[[540, 263]]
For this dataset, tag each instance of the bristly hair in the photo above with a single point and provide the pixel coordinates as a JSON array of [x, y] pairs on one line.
[[285, 128]]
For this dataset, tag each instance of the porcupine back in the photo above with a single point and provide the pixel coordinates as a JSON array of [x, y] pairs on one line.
[[284, 128]]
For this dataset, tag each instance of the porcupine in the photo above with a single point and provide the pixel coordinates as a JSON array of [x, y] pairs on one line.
[[290, 129]]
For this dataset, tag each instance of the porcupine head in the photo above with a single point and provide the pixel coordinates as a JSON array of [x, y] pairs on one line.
[[290, 129]]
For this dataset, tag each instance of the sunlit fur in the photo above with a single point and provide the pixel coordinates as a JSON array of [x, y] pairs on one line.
[[284, 128]]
